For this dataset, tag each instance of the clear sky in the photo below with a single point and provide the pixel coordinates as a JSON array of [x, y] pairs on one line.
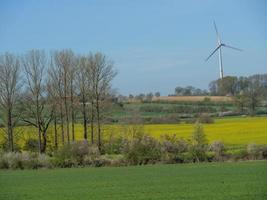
[[156, 45]]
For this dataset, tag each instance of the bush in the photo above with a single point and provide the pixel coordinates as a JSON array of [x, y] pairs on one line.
[[263, 152], [113, 146], [186, 157], [30, 160], [253, 151], [190, 121], [168, 119], [238, 154], [3, 161], [141, 151], [105, 160], [44, 161], [219, 150], [14, 160], [31, 145], [73, 154], [25, 160], [199, 144], [5, 146], [171, 148], [205, 119]]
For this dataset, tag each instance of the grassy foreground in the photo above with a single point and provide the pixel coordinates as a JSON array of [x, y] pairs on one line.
[[244, 180]]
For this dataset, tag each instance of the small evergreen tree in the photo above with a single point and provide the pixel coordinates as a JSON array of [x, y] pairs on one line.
[[199, 143]]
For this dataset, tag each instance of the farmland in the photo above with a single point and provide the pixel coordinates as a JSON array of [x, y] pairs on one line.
[[234, 131], [244, 180], [193, 98]]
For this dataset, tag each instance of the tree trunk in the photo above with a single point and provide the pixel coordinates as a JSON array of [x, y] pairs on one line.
[[84, 118], [55, 139], [66, 108], [10, 130], [72, 113], [62, 124], [98, 124], [38, 125], [39, 140], [92, 122], [44, 142]]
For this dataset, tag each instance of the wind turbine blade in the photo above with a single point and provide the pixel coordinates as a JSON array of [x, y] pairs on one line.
[[213, 52], [217, 33], [225, 45]]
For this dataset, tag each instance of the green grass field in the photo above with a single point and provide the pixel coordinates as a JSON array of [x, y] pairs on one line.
[[244, 180]]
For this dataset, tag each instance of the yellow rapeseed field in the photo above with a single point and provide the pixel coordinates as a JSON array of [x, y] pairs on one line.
[[232, 131]]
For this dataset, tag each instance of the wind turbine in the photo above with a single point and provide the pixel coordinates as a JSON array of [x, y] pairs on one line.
[[219, 47]]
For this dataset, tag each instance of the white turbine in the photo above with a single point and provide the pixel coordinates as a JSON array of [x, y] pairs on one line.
[[219, 47]]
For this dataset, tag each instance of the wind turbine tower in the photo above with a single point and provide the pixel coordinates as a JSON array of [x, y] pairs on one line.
[[219, 47]]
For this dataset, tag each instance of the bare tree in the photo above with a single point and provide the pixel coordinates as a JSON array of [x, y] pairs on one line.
[[72, 72], [64, 59], [102, 73], [82, 82], [35, 107], [9, 90], [91, 74], [56, 91]]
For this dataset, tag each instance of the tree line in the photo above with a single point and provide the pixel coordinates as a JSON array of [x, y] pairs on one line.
[[42, 89], [247, 91]]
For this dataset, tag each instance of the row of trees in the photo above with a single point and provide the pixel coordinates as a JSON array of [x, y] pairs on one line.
[[232, 85], [247, 91], [189, 91], [40, 88]]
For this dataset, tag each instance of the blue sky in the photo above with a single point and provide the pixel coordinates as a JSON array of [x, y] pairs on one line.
[[156, 45]]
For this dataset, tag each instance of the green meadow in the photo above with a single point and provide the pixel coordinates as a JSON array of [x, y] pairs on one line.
[[220, 181]]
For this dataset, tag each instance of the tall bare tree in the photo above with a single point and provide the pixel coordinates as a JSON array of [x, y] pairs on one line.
[[9, 90], [56, 90], [73, 69], [35, 107], [91, 73], [65, 60], [82, 83], [102, 73]]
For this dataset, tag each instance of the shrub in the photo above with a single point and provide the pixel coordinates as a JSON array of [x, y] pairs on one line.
[[263, 152], [199, 144], [95, 162], [219, 150], [29, 160], [171, 148], [186, 157], [14, 160], [113, 146], [238, 154], [168, 119], [5, 146], [3, 161], [210, 156], [105, 160], [31, 145], [144, 150], [44, 161], [205, 119], [72, 154], [76, 154], [190, 121], [253, 151]]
